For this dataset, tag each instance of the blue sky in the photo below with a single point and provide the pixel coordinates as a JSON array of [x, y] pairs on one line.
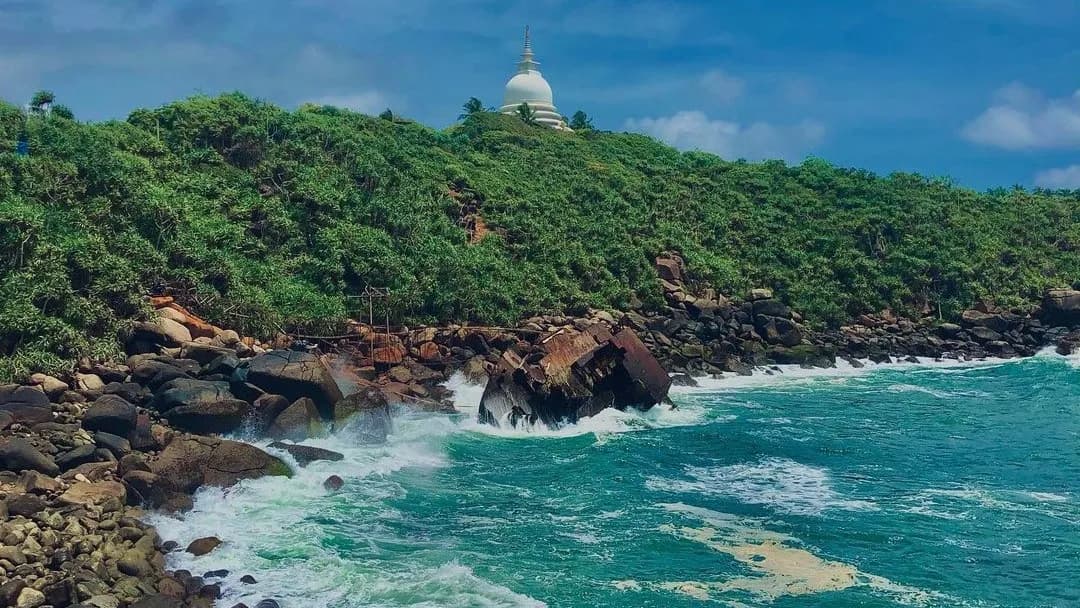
[[986, 92]]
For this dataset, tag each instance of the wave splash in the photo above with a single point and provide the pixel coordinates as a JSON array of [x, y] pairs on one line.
[[778, 483]]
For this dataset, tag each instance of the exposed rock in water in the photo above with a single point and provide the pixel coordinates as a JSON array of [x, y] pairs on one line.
[[333, 483], [571, 375], [306, 454], [190, 462], [202, 546], [366, 414]]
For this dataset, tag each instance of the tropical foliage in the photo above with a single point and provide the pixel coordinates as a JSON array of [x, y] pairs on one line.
[[261, 218]]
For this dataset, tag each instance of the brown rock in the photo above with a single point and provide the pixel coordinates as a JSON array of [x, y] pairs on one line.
[[83, 493], [189, 462], [202, 546]]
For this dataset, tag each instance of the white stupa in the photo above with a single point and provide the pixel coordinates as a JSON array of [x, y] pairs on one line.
[[529, 87]]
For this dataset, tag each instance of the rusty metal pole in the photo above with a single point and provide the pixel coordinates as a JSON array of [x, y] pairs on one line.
[[371, 325]]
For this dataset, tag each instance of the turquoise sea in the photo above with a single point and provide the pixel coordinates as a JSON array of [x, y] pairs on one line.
[[914, 485]]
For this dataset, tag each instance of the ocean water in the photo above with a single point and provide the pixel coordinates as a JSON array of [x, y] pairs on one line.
[[912, 485]]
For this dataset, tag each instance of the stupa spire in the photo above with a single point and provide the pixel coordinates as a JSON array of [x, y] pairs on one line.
[[527, 63]]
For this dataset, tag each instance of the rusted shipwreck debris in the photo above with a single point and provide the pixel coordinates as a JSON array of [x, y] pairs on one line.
[[572, 374]]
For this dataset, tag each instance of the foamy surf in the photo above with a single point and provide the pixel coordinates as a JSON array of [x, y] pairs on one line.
[[780, 484], [275, 529]]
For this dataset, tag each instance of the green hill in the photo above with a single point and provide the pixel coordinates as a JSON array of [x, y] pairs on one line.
[[264, 218]]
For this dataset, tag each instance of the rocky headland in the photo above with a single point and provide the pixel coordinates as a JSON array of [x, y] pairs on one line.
[[82, 457]]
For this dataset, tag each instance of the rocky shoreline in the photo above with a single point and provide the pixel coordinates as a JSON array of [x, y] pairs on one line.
[[82, 456]]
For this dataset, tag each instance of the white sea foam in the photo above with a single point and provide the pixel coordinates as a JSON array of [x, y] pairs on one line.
[[274, 529], [778, 483], [604, 424], [795, 375]]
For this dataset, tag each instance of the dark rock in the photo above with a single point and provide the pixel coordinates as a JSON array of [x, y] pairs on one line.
[[333, 483], [202, 546], [10, 591], [75, 457], [111, 414], [131, 392], [210, 592], [204, 353], [298, 422], [157, 600], [186, 391], [209, 417], [306, 454], [25, 504], [224, 364], [682, 380], [985, 334], [61, 594], [294, 375], [216, 574], [268, 604], [247, 579], [366, 413], [771, 308], [115, 444], [25, 404], [803, 354], [17, 454], [154, 373]]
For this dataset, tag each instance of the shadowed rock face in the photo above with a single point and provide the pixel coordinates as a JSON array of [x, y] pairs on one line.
[[294, 375], [572, 375], [25, 404]]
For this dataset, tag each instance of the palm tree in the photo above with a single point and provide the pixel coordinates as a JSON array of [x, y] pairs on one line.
[[473, 106], [526, 114]]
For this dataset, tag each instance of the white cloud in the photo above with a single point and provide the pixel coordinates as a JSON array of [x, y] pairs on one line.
[[723, 86], [1054, 179], [693, 130], [367, 102], [1022, 118]]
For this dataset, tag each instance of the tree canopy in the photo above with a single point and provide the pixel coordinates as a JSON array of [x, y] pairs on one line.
[[263, 218]]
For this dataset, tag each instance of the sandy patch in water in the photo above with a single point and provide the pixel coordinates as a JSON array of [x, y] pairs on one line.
[[777, 567]]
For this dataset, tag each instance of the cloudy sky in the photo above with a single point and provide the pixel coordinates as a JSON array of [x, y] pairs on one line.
[[984, 91]]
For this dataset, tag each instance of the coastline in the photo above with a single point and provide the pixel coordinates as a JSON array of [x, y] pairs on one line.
[[98, 447]]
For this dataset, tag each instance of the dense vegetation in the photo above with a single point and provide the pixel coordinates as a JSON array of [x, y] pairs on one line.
[[263, 218]]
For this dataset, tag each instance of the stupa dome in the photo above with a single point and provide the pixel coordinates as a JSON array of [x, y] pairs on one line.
[[529, 87]]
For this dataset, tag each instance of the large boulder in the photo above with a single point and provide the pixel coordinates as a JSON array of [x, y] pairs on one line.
[[293, 374], [365, 413], [189, 462], [112, 414], [298, 422], [1062, 306], [18, 454], [26, 404], [187, 391], [208, 417]]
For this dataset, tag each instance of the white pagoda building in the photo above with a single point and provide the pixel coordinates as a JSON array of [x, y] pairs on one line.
[[529, 87]]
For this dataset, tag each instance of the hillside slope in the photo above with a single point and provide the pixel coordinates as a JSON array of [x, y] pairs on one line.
[[263, 218]]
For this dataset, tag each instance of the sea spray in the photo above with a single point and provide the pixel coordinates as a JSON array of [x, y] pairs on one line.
[[909, 478]]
